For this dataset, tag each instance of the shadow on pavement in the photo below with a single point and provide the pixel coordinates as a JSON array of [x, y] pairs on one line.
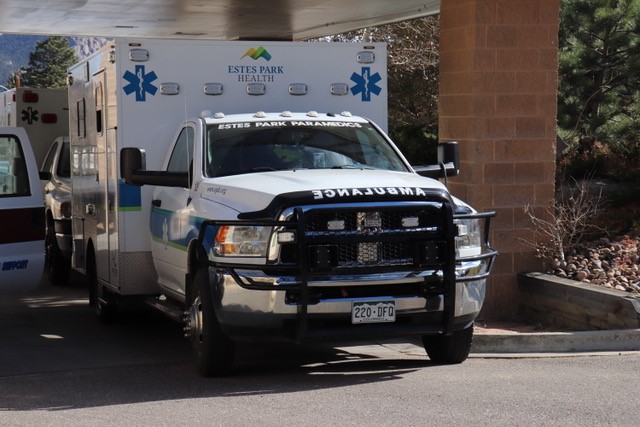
[[54, 354]]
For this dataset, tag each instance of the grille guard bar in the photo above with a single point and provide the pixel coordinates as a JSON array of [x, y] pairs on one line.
[[301, 271]]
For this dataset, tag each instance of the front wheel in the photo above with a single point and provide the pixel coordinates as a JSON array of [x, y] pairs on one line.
[[57, 266], [99, 298], [449, 349], [212, 349]]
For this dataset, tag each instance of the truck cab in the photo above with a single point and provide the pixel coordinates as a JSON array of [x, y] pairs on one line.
[[308, 226]]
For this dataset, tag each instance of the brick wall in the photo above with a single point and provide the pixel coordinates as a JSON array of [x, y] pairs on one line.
[[498, 89]]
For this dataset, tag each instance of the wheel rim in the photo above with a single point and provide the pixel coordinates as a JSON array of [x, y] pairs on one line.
[[195, 320]]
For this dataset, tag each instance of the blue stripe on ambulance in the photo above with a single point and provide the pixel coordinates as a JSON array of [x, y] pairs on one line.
[[129, 197]]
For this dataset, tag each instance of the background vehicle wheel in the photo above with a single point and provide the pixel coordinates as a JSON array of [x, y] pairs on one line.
[[100, 299], [213, 351], [449, 349], [57, 266]]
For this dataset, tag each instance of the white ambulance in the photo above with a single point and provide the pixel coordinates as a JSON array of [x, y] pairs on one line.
[[21, 214], [43, 113], [239, 188]]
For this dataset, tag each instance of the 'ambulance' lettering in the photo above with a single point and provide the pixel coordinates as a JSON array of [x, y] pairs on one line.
[[375, 191]]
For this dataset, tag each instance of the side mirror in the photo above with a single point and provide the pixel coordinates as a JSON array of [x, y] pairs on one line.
[[133, 171], [131, 160], [448, 162]]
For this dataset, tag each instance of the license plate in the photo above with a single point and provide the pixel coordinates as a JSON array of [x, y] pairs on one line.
[[373, 311]]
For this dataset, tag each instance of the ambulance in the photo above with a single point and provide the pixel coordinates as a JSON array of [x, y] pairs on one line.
[[249, 190], [21, 214]]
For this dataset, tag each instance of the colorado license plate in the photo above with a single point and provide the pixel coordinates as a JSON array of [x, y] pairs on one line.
[[373, 311]]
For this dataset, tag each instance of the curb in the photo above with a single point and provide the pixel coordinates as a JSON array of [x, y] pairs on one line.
[[558, 342]]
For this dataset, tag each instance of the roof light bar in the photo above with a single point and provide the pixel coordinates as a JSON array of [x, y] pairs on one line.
[[139, 55], [49, 118], [298, 89], [339, 89], [256, 89], [366, 57], [31, 97], [213, 88], [169, 88]]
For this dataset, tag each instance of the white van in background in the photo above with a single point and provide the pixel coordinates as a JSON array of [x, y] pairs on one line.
[[21, 214]]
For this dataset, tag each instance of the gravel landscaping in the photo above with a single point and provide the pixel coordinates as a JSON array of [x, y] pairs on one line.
[[612, 263]]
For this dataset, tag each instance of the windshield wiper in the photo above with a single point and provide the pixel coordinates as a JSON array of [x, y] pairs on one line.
[[262, 169], [352, 167]]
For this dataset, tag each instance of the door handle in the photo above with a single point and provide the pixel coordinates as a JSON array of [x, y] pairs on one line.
[[156, 202]]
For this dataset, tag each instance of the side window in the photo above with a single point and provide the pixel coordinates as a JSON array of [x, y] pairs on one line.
[[48, 161], [80, 112], [99, 103], [14, 177], [64, 165], [182, 154]]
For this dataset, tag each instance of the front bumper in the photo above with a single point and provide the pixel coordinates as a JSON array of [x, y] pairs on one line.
[[248, 310], [295, 303]]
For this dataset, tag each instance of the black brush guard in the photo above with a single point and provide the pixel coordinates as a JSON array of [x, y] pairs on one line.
[[304, 243]]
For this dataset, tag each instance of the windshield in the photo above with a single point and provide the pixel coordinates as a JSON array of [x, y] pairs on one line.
[[237, 148]]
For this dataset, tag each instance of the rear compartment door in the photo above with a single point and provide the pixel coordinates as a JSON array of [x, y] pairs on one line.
[[21, 214]]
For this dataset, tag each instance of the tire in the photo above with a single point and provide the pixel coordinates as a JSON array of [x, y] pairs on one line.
[[57, 266], [449, 349], [213, 351], [102, 301]]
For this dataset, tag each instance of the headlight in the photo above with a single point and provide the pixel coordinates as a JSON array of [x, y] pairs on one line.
[[241, 241], [469, 238]]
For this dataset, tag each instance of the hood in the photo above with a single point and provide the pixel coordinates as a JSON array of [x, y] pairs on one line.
[[257, 191]]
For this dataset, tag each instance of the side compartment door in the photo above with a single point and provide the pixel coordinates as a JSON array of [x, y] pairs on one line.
[[172, 219], [103, 201], [21, 214]]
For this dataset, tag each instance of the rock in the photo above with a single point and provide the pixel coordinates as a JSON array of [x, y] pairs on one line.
[[620, 288], [581, 275]]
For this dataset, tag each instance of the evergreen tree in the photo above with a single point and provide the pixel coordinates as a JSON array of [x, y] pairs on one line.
[[48, 64], [412, 78], [599, 59]]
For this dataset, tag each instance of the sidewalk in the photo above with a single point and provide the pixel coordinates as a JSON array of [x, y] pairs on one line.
[[520, 338]]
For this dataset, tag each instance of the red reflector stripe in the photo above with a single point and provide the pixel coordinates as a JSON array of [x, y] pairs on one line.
[[30, 97], [49, 118], [22, 225]]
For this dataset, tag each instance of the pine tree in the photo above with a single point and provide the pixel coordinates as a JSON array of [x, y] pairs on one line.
[[48, 64], [599, 58], [413, 66]]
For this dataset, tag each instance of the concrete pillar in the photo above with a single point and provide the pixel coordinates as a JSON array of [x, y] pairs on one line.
[[498, 99]]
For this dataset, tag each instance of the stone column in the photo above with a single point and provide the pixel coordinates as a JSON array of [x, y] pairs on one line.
[[498, 99]]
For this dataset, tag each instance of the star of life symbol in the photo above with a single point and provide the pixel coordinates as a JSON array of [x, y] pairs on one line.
[[30, 115], [366, 84], [140, 83]]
